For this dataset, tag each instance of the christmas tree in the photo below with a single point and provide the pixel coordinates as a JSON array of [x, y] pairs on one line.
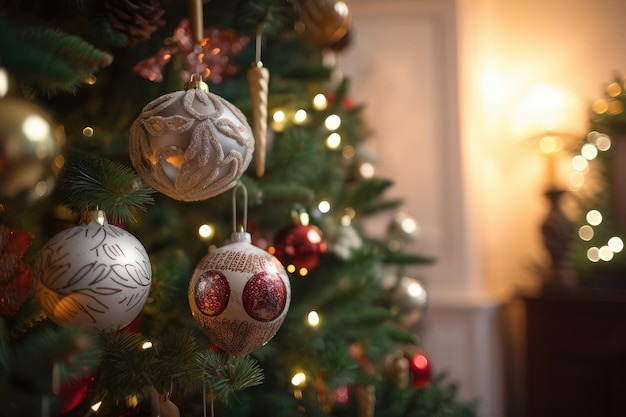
[[183, 198]]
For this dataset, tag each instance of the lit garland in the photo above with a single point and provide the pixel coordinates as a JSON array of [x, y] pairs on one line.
[[599, 235]]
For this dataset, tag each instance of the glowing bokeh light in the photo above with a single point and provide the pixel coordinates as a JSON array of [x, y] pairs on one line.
[[332, 122], [585, 233], [323, 206], [313, 319], [333, 140], [298, 379], [593, 254], [300, 116], [594, 217], [320, 102], [616, 244], [589, 151], [580, 163]]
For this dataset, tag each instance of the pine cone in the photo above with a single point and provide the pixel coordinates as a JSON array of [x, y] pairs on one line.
[[135, 19]]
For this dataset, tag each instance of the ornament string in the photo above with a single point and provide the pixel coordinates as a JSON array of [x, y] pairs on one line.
[[197, 29], [245, 206]]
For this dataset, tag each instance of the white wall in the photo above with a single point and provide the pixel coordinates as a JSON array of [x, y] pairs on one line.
[[445, 131]]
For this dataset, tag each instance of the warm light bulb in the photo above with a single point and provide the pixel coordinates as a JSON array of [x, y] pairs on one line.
[[616, 244], [323, 206], [320, 102], [300, 116], [366, 170], [303, 272], [605, 253], [589, 151], [88, 131], [146, 345], [585, 233], [594, 217], [332, 122], [36, 128], [579, 162], [348, 152], [279, 116], [313, 319], [298, 379], [41, 188], [205, 231], [4, 82], [593, 254], [95, 407], [304, 218], [291, 268], [600, 140], [333, 140]]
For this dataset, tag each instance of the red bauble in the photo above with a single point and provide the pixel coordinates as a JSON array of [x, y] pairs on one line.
[[16, 278], [14, 293], [419, 369], [74, 393], [299, 245]]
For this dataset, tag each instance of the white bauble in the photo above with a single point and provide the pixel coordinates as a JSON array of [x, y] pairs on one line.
[[239, 295], [94, 276], [191, 145]]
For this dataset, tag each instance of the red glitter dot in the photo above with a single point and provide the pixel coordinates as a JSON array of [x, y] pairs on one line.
[[264, 296], [211, 293]]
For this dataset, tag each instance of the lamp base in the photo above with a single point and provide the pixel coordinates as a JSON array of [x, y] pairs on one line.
[[557, 231]]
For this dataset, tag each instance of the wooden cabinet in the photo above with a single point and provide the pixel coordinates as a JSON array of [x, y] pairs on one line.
[[576, 354]]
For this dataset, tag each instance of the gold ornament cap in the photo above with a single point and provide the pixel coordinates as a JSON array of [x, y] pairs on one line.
[[196, 82], [98, 216]]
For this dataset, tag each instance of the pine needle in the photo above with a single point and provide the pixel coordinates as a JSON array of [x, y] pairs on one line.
[[51, 59], [225, 374], [90, 183]]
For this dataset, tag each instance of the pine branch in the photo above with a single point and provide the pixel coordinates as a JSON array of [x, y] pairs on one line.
[[298, 157], [271, 15], [225, 374], [90, 183], [49, 59]]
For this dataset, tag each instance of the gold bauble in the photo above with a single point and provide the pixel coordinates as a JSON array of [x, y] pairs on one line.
[[30, 153], [325, 22]]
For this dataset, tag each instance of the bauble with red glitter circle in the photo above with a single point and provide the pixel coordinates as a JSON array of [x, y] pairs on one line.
[[239, 295], [299, 247]]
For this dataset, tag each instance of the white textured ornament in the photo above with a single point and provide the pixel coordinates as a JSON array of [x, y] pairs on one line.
[[94, 276], [191, 145], [239, 295]]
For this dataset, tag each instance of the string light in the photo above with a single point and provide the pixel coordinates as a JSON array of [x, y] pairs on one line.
[[320, 102], [323, 206], [313, 319], [366, 170], [206, 231], [332, 122], [596, 142], [146, 345], [298, 379], [88, 131], [333, 140], [594, 217], [300, 116]]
